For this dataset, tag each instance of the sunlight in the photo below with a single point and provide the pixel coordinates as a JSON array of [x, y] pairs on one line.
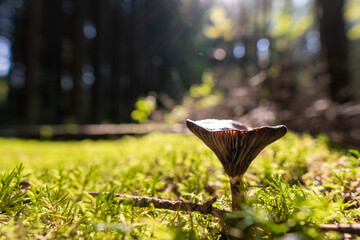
[[300, 3], [227, 1], [222, 26]]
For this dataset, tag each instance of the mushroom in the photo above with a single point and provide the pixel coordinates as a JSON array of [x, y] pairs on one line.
[[236, 146]]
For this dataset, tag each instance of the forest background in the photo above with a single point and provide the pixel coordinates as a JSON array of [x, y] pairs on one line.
[[294, 62]]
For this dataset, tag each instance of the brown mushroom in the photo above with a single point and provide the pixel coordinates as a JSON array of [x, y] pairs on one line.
[[236, 146]]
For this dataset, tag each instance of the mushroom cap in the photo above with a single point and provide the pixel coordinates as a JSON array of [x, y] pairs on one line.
[[235, 145]]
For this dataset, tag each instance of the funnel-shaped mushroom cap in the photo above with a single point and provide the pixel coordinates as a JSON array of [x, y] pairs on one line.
[[235, 145]]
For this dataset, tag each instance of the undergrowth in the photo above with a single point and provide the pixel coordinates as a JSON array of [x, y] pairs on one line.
[[295, 184]]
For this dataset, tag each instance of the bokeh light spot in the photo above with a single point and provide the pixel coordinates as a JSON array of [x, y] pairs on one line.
[[68, 7], [66, 82], [17, 77], [6, 10], [16, 3], [239, 50], [219, 54], [90, 30], [263, 45], [4, 66], [5, 56], [5, 47], [313, 44], [88, 76]]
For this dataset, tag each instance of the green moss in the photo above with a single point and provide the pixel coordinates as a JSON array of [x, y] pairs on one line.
[[295, 184]]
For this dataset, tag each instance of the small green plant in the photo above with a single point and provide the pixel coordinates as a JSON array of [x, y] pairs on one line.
[[143, 109], [282, 208], [10, 190], [205, 88], [200, 96]]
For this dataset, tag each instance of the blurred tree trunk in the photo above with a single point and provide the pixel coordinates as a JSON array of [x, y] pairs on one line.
[[334, 47], [49, 82], [98, 89], [77, 57], [114, 90], [125, 86], [135, 83], [30, 61]]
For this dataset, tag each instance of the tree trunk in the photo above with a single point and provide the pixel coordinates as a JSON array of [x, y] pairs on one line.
[[77, 58], [117, 42], [334, 48], [30, 61], [98, 89]]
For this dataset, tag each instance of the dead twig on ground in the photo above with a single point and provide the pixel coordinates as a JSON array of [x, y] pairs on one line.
[[343, 228], [138, 201]]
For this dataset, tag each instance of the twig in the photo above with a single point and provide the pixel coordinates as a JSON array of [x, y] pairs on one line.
[[343, 228], [138, 201]]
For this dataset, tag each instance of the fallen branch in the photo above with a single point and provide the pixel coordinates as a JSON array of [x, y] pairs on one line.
[[343, 228], [205, 208]]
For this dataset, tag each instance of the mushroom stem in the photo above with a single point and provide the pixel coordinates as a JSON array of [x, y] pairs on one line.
[[238, 192]]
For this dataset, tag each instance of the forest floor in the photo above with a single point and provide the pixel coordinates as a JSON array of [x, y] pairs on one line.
[[295, 184]]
